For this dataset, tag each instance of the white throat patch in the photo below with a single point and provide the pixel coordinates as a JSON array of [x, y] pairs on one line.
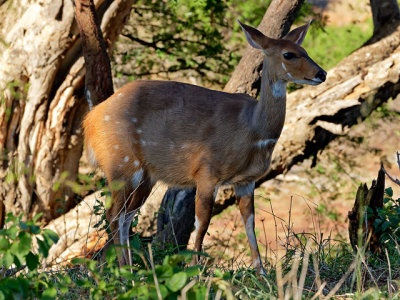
[[279, 89]]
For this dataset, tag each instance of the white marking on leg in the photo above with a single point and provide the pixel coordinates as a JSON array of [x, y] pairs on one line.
[[124, 225], [106, 118], [116, 147], [290, 75], [279, 89], [137, 178], [126, 158], [251, 236], [196, 224], [135, 163], [265, 143]]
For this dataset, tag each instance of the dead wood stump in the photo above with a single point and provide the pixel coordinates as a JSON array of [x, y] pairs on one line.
[[361, 226]]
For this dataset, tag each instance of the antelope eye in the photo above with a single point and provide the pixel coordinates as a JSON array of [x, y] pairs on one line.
[[289, 55]]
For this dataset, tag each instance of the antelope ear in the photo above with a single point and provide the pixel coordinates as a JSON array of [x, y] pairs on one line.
[[297, 35], [254, 37]]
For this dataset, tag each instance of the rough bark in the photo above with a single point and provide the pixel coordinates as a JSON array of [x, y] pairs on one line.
[[41, 81], [98, 79], [361, 228]]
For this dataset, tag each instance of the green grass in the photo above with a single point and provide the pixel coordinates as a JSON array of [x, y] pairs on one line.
[[331, 44]]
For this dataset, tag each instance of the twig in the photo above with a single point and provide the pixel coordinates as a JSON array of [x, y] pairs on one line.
[[154, 272], [396, 181]]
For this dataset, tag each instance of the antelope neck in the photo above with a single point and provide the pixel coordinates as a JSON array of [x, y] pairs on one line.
[[269, 113]]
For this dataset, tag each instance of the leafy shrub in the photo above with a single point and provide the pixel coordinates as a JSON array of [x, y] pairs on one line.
[[388, 219], [16, 253]]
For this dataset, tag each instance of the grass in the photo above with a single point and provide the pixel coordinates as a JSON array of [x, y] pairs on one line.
[[311, 267], [331, 44]]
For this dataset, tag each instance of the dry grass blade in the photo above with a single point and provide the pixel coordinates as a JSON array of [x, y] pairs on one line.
[[279, 280], [317, 278], [342, 280], [389, 280], [154, 273], [186, 288], [304, 269], [218, 295], [319, 292]]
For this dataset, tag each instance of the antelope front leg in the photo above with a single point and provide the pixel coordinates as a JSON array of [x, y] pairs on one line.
[[246, 206], [203, 209]]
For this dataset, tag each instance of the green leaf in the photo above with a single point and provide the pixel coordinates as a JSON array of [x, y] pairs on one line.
[[43, 248], [8, 259], [164, 272], [32, 261], [37, 217], [218, 273], [25, 243], [50, 235], [4, 244], [192, 271], [389, 192], [163, 291], [49, 293], [177, 281], [79, 261]]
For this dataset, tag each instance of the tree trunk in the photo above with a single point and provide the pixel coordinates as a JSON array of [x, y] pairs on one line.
[[42, 105], [385, 13], [316, 115]]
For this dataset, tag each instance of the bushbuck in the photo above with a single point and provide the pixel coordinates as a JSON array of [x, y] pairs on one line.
[[190, 136]]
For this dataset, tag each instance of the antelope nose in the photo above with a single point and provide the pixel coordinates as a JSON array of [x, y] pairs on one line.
[[321, 75]]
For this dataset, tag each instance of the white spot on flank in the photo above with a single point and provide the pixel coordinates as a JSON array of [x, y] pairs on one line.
[[137, 178], [120, 166], [196, 224], [250, 232], [117, 122], [135, 163], [126, 158], [116, 147], [264, 143], [283, 66], [279, 89], [119, 94], [139, 131], [143, 143], [106, 118], [134, 120]]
